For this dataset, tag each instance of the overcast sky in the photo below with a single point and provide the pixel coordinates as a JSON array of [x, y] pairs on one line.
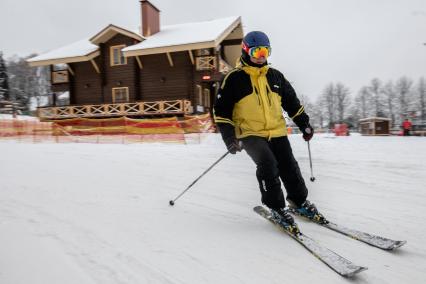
[[314, 41]]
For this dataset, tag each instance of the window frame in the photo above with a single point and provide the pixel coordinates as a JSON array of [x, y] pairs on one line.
[[114, 95], [121, 56]]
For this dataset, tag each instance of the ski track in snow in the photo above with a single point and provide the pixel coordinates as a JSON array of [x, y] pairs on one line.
[[87, 213]]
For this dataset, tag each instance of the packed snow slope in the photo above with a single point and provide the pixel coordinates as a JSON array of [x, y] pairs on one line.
[[87, 213]]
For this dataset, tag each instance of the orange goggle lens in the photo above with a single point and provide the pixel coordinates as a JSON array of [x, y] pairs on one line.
[[259, 51]]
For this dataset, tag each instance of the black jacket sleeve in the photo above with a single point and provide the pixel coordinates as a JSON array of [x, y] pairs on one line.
[[224, 103], [224, 107], [291, 104]]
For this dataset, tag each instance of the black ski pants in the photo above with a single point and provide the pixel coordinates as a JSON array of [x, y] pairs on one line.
[[274, 160]]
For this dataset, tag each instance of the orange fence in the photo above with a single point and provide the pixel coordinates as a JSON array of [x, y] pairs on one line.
[[110, 130]]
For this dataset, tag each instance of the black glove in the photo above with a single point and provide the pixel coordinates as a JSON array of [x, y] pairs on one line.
[[233, 145], [228, 136], [308, 133]]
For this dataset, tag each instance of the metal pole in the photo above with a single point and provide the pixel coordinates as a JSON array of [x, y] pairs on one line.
[[172, 202], [310, 163]]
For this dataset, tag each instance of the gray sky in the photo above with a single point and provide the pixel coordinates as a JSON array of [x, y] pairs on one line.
[[314, 42]]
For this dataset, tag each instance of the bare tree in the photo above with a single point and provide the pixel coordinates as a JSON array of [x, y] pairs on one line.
[[342, 100], [318, 114], [390, 97], [403, 89], [375, 89], [361, 102], [421, 89], [313, 110], [328, 99]]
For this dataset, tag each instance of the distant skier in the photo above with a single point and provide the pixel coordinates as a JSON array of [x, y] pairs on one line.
[[248, 108], [406, 126]]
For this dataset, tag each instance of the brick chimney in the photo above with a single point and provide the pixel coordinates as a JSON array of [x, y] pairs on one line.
[[150, 18]]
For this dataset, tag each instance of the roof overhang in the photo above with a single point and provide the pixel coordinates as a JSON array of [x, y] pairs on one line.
[[235, 26], [110, 31], [64, 60], [171, 48]]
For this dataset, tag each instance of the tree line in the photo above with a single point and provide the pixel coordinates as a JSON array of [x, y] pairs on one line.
[[397, 100]]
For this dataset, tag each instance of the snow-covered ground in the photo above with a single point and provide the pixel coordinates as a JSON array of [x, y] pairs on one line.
[[90, 213]]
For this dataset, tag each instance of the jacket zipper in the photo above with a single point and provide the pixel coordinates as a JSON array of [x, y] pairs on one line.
[[269, 98], [257, 95]]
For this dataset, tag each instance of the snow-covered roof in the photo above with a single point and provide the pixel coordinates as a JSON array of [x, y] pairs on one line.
[[186, 36], [170, 38], [82, 50], [111, 30]]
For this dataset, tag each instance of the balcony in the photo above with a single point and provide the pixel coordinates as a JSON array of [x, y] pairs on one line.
[[205, 63], [176, 107]]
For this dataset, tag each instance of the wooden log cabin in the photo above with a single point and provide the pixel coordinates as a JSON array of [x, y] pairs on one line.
[[157, 71]]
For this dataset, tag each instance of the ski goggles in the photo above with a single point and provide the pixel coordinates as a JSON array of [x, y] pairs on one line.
[[257, 51]]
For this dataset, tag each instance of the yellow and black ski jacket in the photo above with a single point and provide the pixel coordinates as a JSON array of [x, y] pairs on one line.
[[252, 100]]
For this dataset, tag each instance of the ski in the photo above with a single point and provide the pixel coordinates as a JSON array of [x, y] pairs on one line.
[[336, 262], [372, 240]]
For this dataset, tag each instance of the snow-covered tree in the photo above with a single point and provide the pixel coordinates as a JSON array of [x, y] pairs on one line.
[[376, 97], [27, 83], [421, 89], [342, 99], [4, 79], [328, 101], [362, 102], [403, 92], [317, 114], [390, 99]]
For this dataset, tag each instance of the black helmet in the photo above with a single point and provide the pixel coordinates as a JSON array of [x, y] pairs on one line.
[[256, 38]]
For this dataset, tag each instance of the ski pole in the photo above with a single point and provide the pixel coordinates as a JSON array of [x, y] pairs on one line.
[[172, 202], [310, 163]]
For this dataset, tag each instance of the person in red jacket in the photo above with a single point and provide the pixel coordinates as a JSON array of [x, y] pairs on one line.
[[406, 126]]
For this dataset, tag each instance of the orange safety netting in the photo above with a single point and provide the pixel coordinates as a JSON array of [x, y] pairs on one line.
[[108, 130]]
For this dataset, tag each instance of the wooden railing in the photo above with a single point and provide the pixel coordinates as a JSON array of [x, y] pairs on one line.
[[111, 110], [205, 63]]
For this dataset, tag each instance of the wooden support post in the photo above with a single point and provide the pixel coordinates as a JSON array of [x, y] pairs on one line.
[[95, 66], [169, 57], [139, 62], [70, 69], [191, 56]]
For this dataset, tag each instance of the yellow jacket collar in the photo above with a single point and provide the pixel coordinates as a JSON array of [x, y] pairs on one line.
[[253, 71]]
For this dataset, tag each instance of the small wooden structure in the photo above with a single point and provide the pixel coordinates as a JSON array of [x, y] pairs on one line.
[[375, 126]]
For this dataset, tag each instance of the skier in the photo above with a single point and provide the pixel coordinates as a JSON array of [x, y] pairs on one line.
[[248, 109]]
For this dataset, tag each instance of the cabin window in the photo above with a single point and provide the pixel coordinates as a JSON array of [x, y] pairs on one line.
[[116, 55], [59, 74], [206, 97], [120, 95]]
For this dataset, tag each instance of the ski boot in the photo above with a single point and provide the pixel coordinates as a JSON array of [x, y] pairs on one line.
[[284, 217], [310, 211]]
